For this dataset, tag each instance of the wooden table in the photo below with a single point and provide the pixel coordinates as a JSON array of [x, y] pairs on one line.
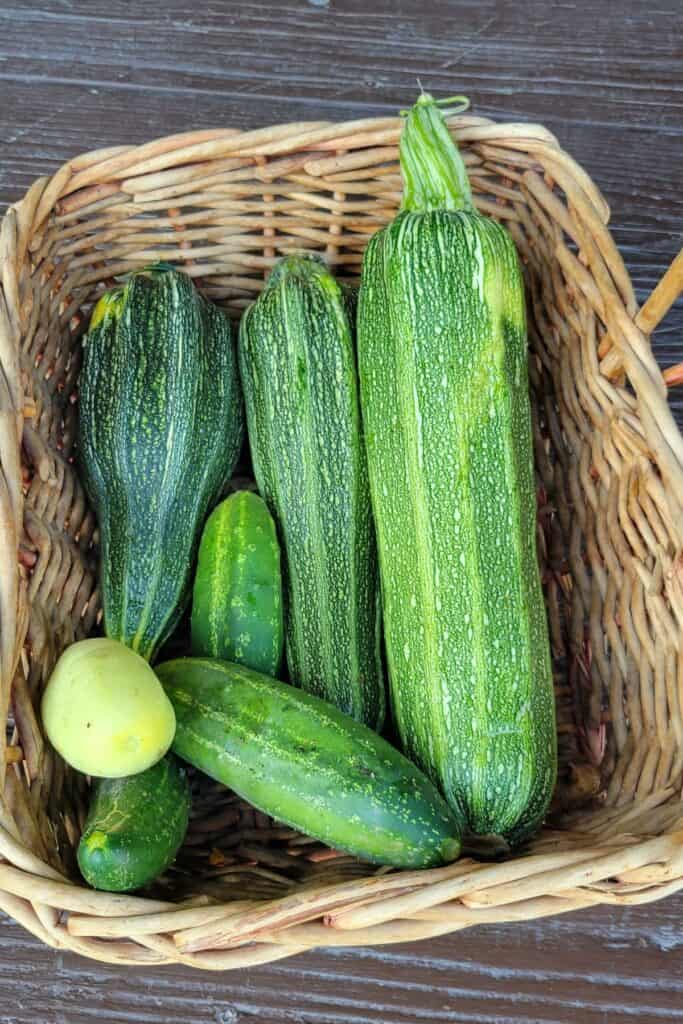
[[607, 78]]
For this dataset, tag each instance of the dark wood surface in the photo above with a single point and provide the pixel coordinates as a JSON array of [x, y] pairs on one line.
[[607, 78]]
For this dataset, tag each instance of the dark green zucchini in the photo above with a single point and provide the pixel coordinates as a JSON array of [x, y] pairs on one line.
[[135, 827], [160, 429], [302, 761]]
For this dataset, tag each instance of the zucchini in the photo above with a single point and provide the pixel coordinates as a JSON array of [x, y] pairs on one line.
[[237, 598], [298, 369], [135, 827], [443, 373], [302, 761], [160, 429]]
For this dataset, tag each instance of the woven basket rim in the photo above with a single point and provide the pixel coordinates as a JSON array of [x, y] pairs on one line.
[[381, 908]]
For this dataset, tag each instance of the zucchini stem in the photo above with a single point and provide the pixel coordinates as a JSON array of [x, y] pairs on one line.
[[434, 173]]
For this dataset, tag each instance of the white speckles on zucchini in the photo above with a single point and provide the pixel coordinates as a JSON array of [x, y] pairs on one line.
[[160, 429], [298, 368], [442, 345]]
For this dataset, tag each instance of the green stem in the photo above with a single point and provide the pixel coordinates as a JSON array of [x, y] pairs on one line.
[[154, 269], [305, 265], [434, 174]]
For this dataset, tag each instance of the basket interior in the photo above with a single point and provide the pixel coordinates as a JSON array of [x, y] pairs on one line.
[[607, 533]]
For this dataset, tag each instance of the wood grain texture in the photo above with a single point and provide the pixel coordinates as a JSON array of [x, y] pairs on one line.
[[608, 80], [587, 967], [77, 77]]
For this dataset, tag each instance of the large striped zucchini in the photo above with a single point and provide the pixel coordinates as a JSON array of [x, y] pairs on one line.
[[161, 426], [307, 764], [443, 370], [298, 368]]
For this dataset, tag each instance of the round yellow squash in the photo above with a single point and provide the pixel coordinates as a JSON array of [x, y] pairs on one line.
[[105, 711]]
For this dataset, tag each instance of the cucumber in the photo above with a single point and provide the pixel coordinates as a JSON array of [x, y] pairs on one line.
[[444, 393], [237, 598], [305, 763], [135, 827]]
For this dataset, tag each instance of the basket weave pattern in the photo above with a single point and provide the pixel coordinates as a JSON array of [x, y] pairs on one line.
[[225, 205]]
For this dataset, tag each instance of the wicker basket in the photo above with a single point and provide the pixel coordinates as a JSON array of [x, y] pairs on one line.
[[609, 457]]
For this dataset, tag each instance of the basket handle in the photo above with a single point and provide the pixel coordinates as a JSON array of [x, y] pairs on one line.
[[653, 311]]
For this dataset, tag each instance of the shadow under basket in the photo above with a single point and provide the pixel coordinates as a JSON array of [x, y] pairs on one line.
[[224, 205]]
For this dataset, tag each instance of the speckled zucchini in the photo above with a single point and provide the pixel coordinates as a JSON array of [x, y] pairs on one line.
[[237, 597], [298, 369], [160, 429], [443, 371], [302, 761]]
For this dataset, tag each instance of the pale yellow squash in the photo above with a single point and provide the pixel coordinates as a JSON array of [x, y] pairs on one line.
[[105, 711]]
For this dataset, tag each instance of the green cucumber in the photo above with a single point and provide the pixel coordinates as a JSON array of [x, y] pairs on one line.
[[305, 763], [237, 598], [135, 827], [444, 390], [298, 369]]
